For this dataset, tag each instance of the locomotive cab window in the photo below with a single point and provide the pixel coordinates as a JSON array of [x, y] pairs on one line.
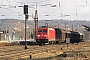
[[40, 31], [45, 31]]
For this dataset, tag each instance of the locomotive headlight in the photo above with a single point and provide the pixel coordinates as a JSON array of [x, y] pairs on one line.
[[38, 35], [45, 36]]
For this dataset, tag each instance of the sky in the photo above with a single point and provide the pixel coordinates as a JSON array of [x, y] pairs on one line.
[[47, 9]]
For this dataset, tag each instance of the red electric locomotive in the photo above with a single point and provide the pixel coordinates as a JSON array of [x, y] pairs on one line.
[[45, 35]]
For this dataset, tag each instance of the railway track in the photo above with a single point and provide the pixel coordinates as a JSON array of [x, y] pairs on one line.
[[12, 52], [16, 52]]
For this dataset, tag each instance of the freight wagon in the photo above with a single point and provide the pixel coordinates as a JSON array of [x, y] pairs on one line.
[[61, 35], [76, 37]]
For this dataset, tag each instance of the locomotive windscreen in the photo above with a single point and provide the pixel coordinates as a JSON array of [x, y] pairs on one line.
[[42, 31]]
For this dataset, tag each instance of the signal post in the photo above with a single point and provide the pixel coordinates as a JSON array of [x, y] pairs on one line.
[[26, 18]]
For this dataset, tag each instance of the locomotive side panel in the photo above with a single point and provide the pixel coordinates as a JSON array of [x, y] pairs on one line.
[[51, 34]]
